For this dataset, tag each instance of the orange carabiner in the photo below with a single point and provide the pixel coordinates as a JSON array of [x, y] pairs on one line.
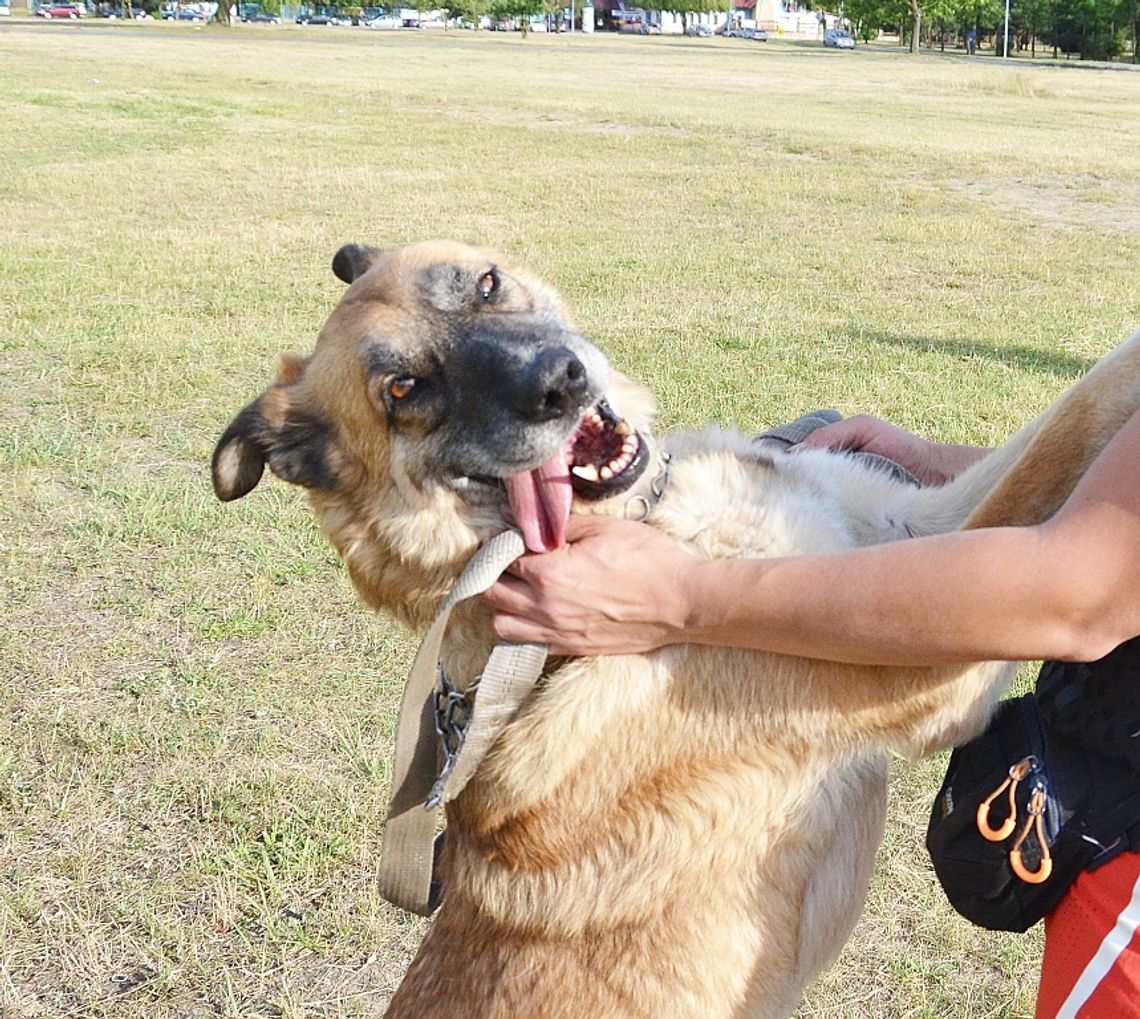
[[1016, 774], [1045, 868]]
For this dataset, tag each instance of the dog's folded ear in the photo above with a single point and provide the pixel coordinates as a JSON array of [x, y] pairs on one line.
[[276, 429], [352, 262]]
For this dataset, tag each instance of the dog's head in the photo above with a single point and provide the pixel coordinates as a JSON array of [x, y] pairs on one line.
[[446, 390]]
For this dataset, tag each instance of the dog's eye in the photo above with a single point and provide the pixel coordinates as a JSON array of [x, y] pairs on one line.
[[399, 389], [488, 284]]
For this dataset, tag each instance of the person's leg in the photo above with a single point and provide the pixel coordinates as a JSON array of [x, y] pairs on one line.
[[1091, 967]]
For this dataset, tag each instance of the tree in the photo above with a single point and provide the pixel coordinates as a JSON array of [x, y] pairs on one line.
[[915, 23], [1093, 28], [1032, 16], [470, 10], [942, 13], [871, 16], [981, 15], [1102, 30], [1130, 11], [552, 9], [509, 10]]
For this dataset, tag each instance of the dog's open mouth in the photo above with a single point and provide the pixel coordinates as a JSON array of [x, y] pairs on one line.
[[601, 458]]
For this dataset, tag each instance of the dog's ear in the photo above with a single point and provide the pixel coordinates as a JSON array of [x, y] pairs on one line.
[[353, 261], [276, 429]]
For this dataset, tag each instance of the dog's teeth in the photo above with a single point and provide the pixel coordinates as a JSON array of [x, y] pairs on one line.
[[607, 473], [629, 447], [623, 427], [588, 472]]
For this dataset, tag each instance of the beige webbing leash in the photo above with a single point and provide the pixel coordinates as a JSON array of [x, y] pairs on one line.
[[407, 853]]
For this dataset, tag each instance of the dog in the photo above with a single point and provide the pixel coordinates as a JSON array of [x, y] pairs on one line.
[[686, 833]]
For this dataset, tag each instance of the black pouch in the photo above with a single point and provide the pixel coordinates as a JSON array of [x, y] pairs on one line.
[[1096, 703], [1022, 811]]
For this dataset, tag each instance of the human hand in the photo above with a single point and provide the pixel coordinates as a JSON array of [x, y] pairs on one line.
[[931, 462], [616, 587]]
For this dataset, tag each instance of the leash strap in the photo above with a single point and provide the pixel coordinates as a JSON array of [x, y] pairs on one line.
[[509, 677], [406, 856]]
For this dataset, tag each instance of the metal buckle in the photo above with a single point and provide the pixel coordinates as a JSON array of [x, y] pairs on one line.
[[638, 507], [452, 711]]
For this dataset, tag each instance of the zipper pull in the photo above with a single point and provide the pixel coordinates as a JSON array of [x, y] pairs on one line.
[[1016, 774], [1034, 821]]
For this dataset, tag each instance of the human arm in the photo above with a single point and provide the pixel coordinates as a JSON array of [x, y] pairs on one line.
[[1065, 589]]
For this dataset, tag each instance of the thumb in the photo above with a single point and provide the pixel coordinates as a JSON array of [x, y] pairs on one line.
[[587, 525]]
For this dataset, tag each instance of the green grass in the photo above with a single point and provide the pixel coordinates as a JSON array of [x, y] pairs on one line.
[[195, 714]]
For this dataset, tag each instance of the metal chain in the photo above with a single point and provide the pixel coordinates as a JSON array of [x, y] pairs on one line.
[[452, 710]]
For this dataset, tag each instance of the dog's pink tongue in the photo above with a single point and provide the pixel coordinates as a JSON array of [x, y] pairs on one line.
[[540, 501]]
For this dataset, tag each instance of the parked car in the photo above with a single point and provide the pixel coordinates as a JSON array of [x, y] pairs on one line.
[[5, 9], [56, 10], [320, 19], [384, 21], [839, 39], [261, 18], [755, 34], [699, 31]]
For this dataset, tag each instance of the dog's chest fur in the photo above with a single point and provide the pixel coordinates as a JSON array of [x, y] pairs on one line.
[[727, 497]]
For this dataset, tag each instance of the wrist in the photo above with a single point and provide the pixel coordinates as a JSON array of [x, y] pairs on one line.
[[705, 598], [946, 462]]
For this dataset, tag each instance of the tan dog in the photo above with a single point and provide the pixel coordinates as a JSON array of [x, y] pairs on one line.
[[687, 833]]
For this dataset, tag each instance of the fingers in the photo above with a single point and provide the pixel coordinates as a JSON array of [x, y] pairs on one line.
[[511, 595], [518, 617], [520, 630], [512, 604], [553, 598], [850, 433]]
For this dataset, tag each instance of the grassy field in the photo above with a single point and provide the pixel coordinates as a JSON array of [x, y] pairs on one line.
[[195, 714]]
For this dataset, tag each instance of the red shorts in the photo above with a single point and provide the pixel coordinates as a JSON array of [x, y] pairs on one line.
[[1091, 968]]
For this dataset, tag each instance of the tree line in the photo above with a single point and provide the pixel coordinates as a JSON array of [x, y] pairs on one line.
[[1091, 29]]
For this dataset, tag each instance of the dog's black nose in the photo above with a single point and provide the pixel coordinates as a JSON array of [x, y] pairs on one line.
[[553, 385]]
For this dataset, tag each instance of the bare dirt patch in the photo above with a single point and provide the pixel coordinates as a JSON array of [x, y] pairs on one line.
[[1068, 201]]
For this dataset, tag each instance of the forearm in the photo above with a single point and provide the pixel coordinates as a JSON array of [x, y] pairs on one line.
[[1067, 588], [960, 597]]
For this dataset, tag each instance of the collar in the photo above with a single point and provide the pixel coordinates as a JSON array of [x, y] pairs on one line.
[[638, 507]]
